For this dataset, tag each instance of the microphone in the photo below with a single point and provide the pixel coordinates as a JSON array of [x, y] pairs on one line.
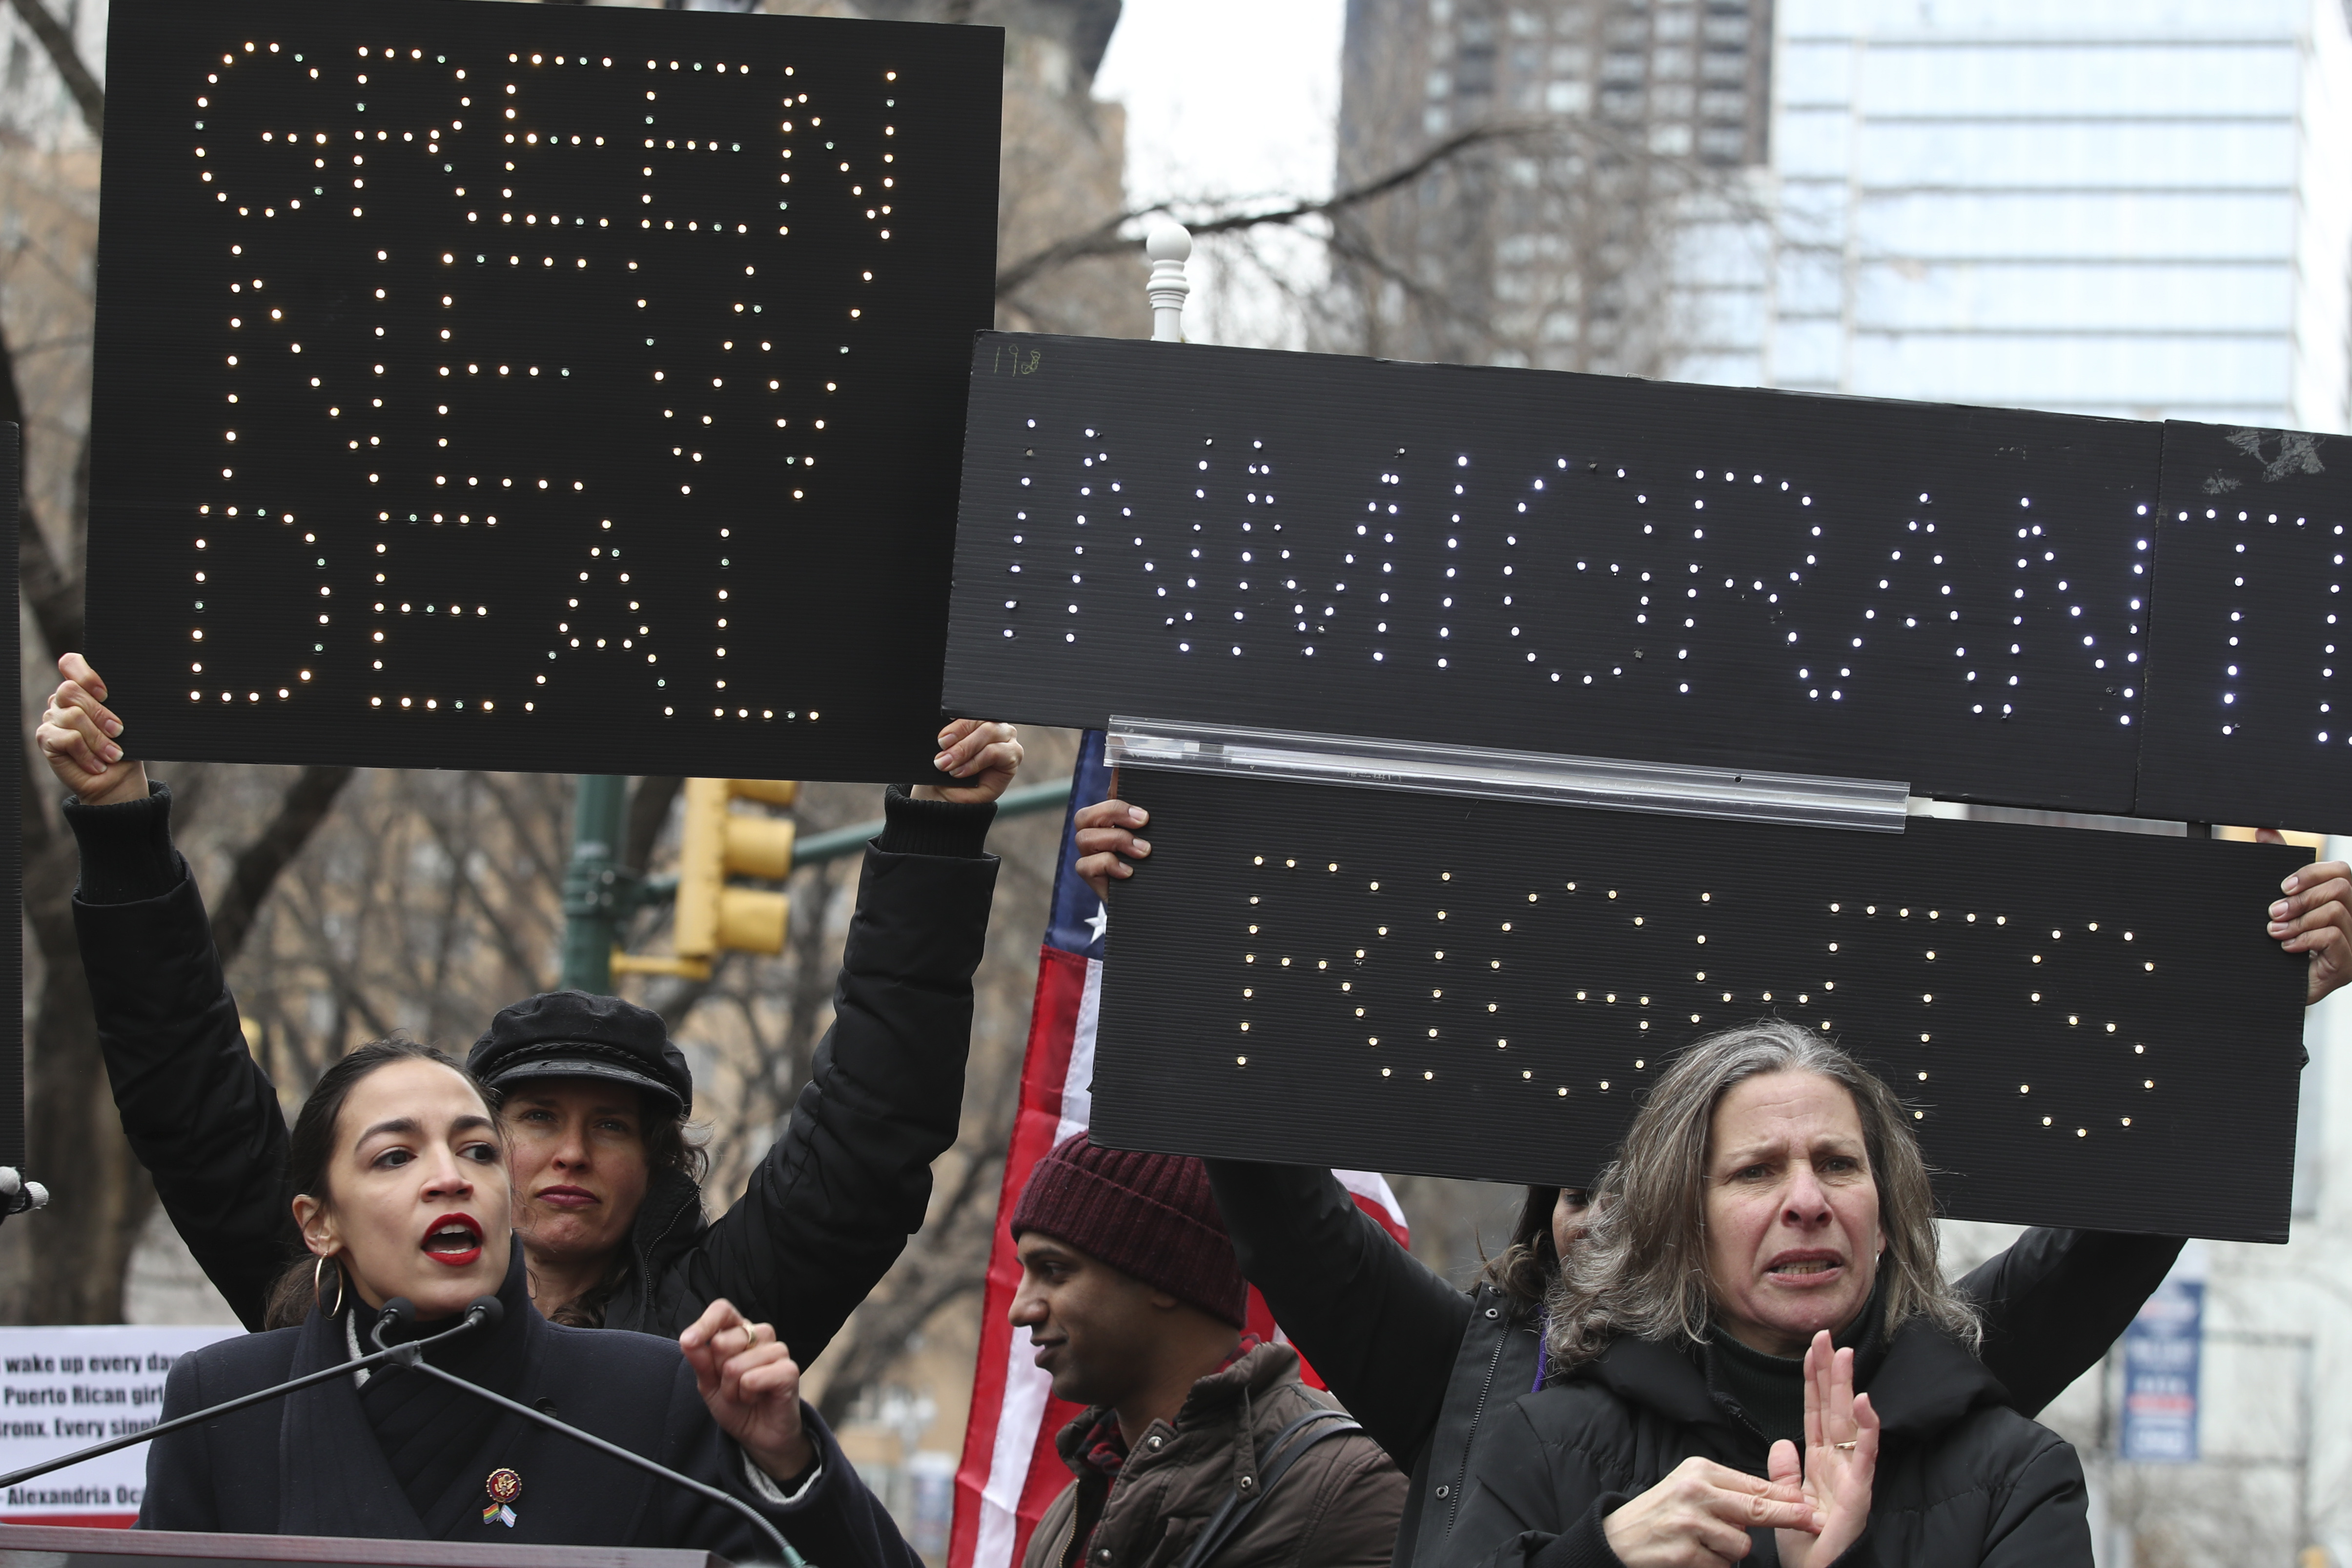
[[400, 1355], [481, 1311], [488, 1311], [18, 1195]]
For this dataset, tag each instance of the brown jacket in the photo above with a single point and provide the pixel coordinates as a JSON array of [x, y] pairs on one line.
[[1337, 1507]]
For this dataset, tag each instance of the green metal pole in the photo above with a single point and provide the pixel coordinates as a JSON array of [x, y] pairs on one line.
[[598, 891], [1050, 796]]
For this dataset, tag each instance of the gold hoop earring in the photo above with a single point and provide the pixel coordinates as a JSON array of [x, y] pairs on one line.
[[317, 1291]]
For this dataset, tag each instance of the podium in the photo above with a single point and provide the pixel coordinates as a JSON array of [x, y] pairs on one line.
[[65, 1546]]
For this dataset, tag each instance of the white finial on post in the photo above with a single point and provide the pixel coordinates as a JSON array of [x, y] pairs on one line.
[[1168, 245]]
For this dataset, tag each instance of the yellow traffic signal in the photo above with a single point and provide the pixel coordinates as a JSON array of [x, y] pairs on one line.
[[719, 841], [712, 916]]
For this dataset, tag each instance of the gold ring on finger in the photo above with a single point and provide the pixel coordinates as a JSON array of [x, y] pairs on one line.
[[1847, 1447]]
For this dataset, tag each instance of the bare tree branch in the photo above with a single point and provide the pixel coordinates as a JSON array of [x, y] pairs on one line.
[[674, 996], [88, 95], [257, 866], [54, 598], [527, 831], [52, 595], [1105, 238], [35, 827], [47, 345], [649, 805]]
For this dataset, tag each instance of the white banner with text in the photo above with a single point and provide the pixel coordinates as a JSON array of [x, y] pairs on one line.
[[67, 1387]]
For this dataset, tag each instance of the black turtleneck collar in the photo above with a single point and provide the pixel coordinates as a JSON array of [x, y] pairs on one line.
[[1768, 1392], [1920, 1380], [430, 1431]]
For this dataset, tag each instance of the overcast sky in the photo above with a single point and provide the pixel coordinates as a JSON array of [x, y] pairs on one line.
[[1226, 97]]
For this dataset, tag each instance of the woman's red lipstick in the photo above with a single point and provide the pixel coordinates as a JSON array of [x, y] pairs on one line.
[[454, 1240]]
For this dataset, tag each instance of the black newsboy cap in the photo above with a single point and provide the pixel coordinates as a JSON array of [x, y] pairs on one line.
[[570, 1034]]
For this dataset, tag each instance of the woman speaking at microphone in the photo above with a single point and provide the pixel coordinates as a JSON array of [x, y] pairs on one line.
[[400, 1190]]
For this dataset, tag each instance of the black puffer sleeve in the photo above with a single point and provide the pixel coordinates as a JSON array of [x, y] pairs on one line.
[[1377, 1325], [199, 1111], [2055, 1301], [2044, 1517], [1533, 1503], [831, 1206]]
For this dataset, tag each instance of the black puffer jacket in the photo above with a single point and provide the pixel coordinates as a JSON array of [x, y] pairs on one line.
[[828, 1209], [1962, 1481], [1430, 1369]]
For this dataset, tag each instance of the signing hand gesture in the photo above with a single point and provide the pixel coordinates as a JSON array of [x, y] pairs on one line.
[[1700, 1515], [1106, 834], [752, 1386], [984, 756], [2313, 918], [1841, 1459], [78, 738]]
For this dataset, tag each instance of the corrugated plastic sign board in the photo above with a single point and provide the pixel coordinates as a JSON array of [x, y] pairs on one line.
[[2243, 723], [1951, 597], [536, 386], [1359, 978]]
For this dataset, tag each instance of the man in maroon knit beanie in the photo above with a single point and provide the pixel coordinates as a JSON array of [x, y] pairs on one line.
[[1135, 1302]]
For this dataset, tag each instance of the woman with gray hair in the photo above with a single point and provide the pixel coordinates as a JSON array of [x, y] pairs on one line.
[[1430, 1367], [1753, 1345]]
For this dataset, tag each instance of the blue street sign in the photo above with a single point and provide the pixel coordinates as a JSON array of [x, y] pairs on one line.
[[2161, 1352]]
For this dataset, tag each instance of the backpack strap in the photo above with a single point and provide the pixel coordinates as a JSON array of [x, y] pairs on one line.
[[1250, 1492]]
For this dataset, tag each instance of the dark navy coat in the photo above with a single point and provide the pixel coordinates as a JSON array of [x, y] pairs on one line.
[[313, 1464]]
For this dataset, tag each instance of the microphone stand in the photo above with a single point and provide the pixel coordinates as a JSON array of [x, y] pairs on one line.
[[398, 1354], [786, 1554]]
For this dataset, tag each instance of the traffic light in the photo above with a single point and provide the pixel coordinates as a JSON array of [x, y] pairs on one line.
[[719, 841]]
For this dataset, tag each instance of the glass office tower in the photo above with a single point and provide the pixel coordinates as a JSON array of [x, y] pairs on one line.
[[2134, 208]]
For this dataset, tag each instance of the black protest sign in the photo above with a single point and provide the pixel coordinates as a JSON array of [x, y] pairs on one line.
[[536, 386], [1975, 602], [1360, 977], [2245, 721], [1950, 596], [1971, 602]]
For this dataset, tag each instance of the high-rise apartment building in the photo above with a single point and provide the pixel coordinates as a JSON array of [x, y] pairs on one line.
[[1543, 244], [2140, 207], [1687, 74]]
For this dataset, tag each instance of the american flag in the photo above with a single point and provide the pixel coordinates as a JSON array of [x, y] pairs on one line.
[[1009, 1472]]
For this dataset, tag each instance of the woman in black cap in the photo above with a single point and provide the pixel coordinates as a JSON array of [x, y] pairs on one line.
[[401, 1194], [594, 1097]]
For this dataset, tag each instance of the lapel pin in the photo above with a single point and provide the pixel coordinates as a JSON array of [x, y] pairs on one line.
[[504, 1486]]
